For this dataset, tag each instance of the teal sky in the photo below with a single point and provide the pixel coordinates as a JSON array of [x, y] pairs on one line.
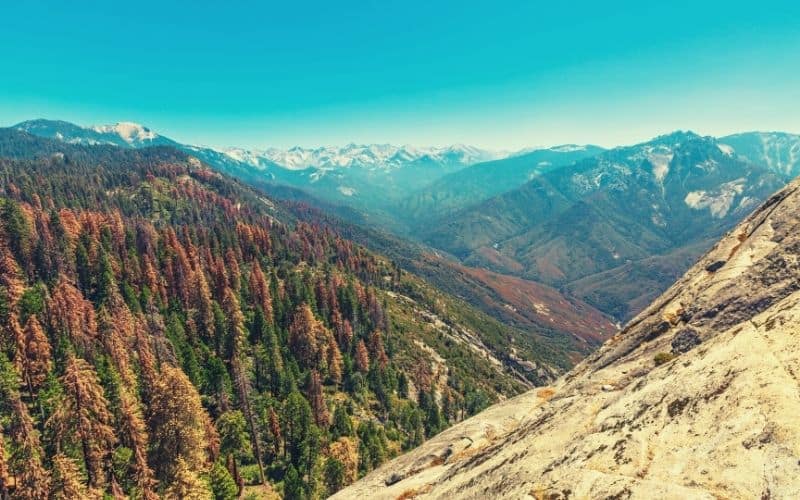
[[500, 74]]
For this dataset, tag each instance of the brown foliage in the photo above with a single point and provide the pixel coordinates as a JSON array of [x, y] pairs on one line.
[[345, 450], [34, 355], [317, 400], [70, 313], [83, 416], [362, 358], [177, 424]]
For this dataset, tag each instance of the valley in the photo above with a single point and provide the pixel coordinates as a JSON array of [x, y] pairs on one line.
[[381, 322]]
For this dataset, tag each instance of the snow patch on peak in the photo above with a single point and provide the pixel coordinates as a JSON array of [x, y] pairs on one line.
[[369, 156], [568, 148], [728, 150], [718, 202], [129, 132]]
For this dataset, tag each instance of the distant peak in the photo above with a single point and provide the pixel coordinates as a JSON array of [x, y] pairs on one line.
[[568, 148], [128, 131]]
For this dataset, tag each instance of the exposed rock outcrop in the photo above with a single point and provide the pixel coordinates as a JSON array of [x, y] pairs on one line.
[[717, 419]]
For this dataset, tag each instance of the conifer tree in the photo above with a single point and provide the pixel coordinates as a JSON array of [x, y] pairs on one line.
[[134, 435], [362, 357], [317, 400], [345, 451], [241, 383], [177, 429], [342, 426], [32, 481], [72, 315], [377, 352], [83, 417], [223, 487], [275, 432], [67, 481], [34, 355], [186, 483], [234, 439]]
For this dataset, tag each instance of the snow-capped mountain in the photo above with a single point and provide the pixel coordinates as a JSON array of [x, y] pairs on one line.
[[613, 228], [123, 134], [364, 176], [778, 151], [386, 156]]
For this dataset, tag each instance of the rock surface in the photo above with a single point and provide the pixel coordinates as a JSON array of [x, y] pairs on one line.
[[720, 420]]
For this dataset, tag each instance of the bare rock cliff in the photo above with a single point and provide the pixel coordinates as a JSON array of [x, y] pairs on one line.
[[698, 397]]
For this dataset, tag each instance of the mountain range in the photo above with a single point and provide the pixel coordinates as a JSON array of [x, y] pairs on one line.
[[614, 229], [139, 271], [363, 176], [168, 331], [695, 398], [608, 227]]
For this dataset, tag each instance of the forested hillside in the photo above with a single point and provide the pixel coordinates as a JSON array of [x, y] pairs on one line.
[[166, 331]]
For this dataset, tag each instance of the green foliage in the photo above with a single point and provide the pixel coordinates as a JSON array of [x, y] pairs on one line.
[[233, 436], [663, 357], [147, 279], [334, 475], [342, 426], [31, 302], [293, 486], [223, 487]]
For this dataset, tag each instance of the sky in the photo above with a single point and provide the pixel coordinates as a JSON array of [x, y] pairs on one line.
[[497, 74]]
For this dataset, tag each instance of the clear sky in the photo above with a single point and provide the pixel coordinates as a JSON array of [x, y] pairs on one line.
[[500, 74]]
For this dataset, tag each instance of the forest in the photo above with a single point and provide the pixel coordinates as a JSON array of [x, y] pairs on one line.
[[168, 332]]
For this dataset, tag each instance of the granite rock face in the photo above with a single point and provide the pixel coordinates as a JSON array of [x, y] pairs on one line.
[[720, 419]]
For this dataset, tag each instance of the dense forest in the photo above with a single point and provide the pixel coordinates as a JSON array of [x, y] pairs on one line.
[[168, 332]]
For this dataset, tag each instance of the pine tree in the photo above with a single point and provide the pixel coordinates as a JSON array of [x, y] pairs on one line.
[[362, 358], [377, 352], [293, 485], [33, 356], [177, 429], [335, 363], [259, 290], [83, 417], [298, 422], [317, 400], [32, 481], [11, 276], [18, 229], [71, 314], [67, 481], [241, 383], [234, 440], [345, 451], [134, 435], [275, 432], [342, 426], [223, 487], [334, 475], [186, 483], [204, 306]]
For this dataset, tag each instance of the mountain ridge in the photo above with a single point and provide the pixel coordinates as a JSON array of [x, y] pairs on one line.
[[694, 398]]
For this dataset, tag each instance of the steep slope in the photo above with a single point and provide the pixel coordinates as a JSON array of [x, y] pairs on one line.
[[537, 311], [481, 181], [697, 397], [162, 324], [623, 206]]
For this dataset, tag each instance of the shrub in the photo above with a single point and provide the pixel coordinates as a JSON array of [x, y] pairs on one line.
[[663, 357]]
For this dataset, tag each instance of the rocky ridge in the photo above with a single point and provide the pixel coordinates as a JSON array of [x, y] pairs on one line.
[[697, 397]]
